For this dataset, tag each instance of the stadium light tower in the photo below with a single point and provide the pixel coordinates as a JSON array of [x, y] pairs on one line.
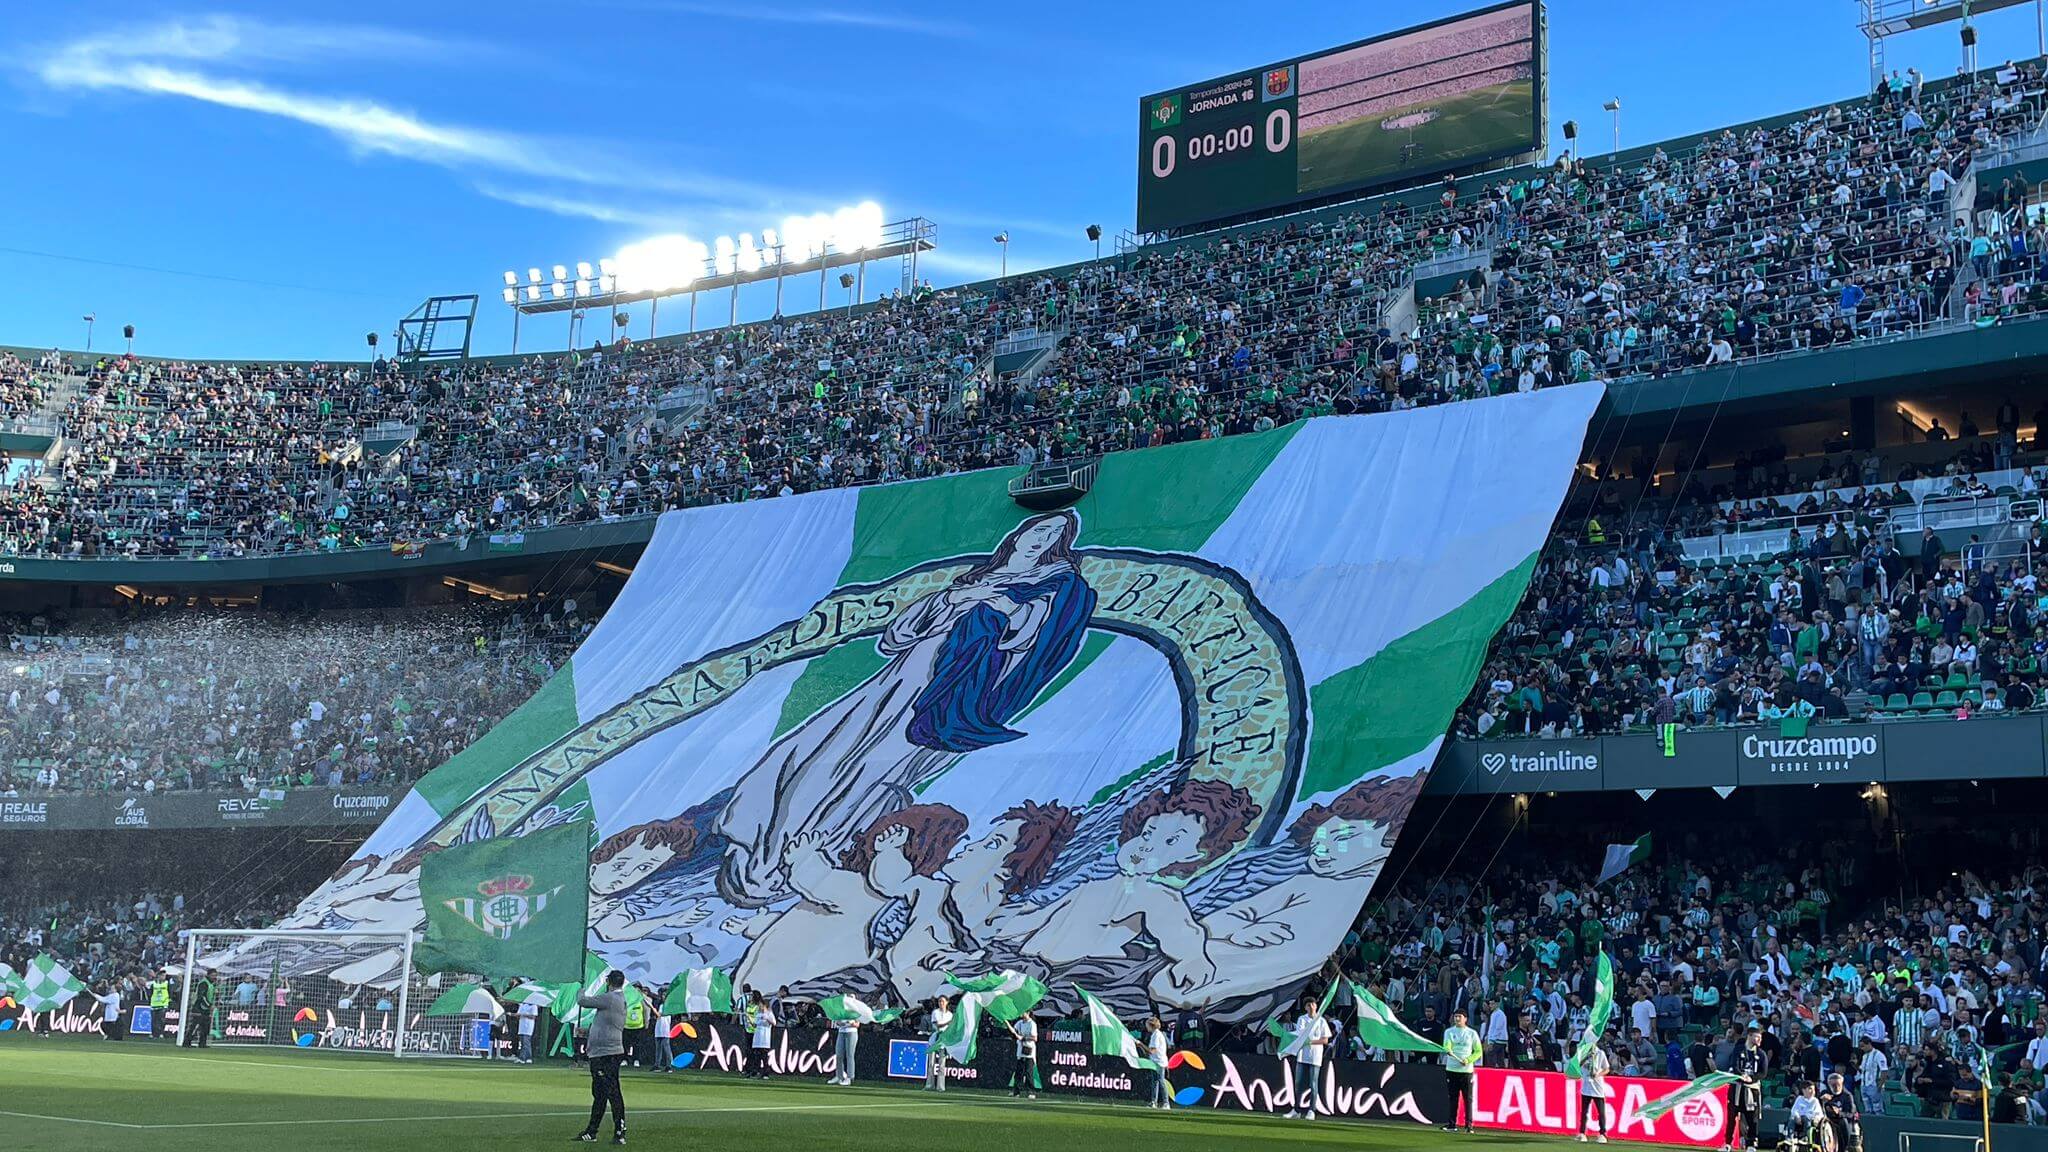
[[1614, 106], [1003, 238]]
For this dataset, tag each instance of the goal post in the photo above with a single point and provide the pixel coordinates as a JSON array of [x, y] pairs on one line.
[[314, 988]]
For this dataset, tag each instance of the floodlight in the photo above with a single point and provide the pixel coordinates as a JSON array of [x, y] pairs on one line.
[[770, 242], [533, 275], [608, 266], [561, 273], [583, 287], [728, 254], [511, 294], [532, 292], [511, 278], [583, 269], [558, 289], [749, 256]]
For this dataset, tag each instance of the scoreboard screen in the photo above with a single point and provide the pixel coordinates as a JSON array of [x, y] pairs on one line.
[[1462, 91]]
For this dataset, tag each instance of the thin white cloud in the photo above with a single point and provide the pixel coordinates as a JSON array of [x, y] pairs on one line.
[[953, 262], [583, 208], [839, 17], [206, 60]]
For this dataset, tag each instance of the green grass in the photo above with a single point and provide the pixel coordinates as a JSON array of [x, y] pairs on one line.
[[77, 1094], [1473, 124]]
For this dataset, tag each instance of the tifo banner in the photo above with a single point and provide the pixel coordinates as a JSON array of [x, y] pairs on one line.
[[1157, 743], [1548, 1102]]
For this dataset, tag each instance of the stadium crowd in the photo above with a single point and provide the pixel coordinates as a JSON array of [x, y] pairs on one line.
[[1842, 975], [1620, 628], [162, 699], [1831, 228]]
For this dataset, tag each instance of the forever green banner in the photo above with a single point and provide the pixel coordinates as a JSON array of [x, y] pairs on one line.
[[511, 906]]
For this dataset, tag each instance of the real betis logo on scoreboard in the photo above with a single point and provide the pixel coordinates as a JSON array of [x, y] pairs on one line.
[[1165, 111]]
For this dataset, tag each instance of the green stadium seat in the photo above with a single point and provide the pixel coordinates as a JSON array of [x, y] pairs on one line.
[[1957, 680], [1897, 702], [1923, 701], [1947, 699]]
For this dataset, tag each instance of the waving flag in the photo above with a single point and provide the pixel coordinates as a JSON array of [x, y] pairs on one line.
[[1621, 857], [1700, 1087], [1381, 1028], [841, 1008], [958, 1037], [1596, 1022], [1004, 995], [1109, 1037], [47, 985], [700, 990]]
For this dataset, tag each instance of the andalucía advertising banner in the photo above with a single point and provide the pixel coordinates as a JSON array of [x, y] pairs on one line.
[[1548, 1103]]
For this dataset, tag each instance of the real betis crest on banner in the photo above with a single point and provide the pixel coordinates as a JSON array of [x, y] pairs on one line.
[[513, 906]]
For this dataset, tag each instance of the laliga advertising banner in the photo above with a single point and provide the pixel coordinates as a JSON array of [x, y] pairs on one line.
[[1517, 1100]]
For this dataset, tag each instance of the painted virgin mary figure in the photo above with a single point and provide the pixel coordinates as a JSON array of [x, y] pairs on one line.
[[962, 663]]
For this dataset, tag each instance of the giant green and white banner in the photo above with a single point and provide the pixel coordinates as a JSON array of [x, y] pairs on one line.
[[1157, 744]]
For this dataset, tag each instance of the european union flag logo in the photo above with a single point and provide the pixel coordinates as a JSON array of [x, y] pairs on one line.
[[907, 1059]]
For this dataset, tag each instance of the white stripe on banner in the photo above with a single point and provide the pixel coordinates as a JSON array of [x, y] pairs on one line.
[[681, 602]]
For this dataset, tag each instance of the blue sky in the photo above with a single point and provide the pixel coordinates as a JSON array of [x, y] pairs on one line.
[[276, 180]]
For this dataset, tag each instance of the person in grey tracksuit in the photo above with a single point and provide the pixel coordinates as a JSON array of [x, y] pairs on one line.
[[607, 1046]]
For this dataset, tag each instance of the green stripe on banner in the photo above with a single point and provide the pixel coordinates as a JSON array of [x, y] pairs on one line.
[[1168, 499], [1173, 498], [1391, 707], [547, 716]]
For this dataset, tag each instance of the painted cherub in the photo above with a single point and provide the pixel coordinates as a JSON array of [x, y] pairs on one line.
[[627, 859], [951, 913], [1334, 848], [1165, 837], [826, 930]]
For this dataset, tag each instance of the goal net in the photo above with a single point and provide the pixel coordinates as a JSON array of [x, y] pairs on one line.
[[291, 988]]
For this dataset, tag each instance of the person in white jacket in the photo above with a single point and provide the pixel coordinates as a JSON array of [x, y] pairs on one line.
[[1593, 1091]]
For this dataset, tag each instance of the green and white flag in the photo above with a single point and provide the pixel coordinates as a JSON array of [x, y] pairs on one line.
[[1108, 1036], [508, 906], [538, 993], [595, 968], [842, 1008], [958, 1037], [10, 981], [1700, 1087], [1269, 633], [1004, 995], [698, 991], [1381, 1028], [1596, 1020], [48, 984], [1621, 857]]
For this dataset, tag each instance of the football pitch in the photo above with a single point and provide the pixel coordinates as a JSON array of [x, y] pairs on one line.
[[75, 1094], [1473, 124]]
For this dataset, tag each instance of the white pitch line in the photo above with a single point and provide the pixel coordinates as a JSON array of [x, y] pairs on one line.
[[630, 1112], [74, 1120]]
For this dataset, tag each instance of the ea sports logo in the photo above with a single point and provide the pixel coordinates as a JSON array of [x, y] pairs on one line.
[[1701, 1118]]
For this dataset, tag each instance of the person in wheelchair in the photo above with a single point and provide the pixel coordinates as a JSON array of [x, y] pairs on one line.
[[1838, 1104], [1808, 1119]]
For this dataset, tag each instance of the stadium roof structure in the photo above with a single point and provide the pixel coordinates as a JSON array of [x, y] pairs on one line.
[[903, 239]]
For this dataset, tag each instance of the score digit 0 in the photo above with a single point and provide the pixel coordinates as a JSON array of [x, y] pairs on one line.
[[1279, 130]]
